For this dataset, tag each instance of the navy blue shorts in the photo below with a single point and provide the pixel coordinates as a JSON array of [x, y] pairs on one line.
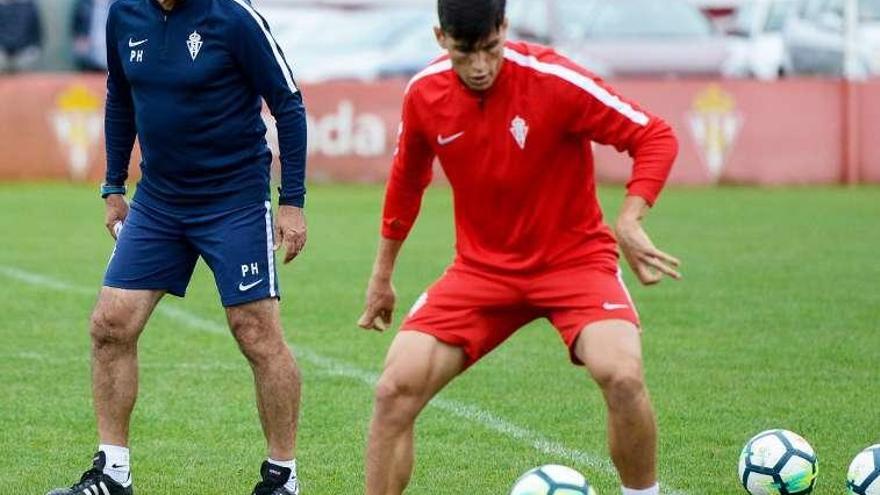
[[158, 250]]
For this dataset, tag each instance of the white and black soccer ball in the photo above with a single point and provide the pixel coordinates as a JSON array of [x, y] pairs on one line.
[[778, 462], [863, 477], [552, 480]]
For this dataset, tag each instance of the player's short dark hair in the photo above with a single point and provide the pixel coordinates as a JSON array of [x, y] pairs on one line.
[[470, 21]]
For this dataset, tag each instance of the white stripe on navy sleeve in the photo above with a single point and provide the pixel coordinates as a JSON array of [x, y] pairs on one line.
[[282, 64]]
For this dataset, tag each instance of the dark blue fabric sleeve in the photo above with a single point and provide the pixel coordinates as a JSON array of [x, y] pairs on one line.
[[119, 124], [264, 65]]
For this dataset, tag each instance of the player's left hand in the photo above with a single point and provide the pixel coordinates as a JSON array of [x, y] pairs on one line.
[[648, 263], [290, 231]]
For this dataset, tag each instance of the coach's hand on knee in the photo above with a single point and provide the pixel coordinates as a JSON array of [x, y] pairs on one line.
[[117, 210], [379, 307], [290, 231]]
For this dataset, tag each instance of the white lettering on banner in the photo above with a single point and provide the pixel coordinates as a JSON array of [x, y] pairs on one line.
[[340, 133]]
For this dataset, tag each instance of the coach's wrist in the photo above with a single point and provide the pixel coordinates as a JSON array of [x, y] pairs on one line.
[[289, 208], [108, 190], [286, 199], [114, 198]]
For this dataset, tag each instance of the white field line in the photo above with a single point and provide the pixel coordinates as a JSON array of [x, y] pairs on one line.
[[335, 367], [42, 281], [46, 359]]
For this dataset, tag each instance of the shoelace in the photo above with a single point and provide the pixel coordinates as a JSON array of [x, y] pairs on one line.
[[90, 478], [282, 490], [262, 489]]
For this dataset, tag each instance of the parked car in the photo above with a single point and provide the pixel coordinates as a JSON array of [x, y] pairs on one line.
[[625, 37], [814, 37], [325, 43], [757, 47], [413, 52]]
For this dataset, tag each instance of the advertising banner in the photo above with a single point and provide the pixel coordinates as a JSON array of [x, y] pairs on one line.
[[734, 132]]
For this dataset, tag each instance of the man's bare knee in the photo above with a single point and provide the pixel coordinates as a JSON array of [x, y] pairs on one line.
[[258, 335], [258, 344], [111, 327], [622, 384], [119, 317], [398, 400]]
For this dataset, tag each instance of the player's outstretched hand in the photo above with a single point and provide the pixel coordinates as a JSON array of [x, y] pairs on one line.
[[117, 211], [648, 263], [290, 231], [379, 307]]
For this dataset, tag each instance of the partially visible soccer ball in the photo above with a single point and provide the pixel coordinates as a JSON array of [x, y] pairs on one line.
[[552, 480], [778, 462], [863, 477]]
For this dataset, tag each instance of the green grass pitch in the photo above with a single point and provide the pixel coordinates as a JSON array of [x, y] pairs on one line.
[[774, 325]]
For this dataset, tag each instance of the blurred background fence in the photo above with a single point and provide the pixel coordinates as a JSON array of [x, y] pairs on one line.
[[760, 91]]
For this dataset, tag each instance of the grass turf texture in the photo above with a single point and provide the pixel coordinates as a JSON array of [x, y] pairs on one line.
[[774, 325]]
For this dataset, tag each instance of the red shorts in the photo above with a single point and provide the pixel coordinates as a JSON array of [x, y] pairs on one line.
[[477, 310]]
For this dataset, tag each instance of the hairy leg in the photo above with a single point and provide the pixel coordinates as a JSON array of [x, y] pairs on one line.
[[257, 329], [612, 353], [403, 461], [117, 321], [417, 368]]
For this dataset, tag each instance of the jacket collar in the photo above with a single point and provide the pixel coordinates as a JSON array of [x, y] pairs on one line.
[[180, 4]]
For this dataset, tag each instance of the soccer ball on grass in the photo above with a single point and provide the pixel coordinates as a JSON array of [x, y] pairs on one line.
[[552, 480], [863, 477], [778, 462]]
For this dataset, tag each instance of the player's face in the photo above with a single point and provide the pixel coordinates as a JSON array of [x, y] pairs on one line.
[[478, 65]]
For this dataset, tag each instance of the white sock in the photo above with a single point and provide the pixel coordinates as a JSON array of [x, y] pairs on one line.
[[117, 465], [292, 484], [654, 490]]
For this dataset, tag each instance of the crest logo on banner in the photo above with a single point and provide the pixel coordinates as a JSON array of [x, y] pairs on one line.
[[78, 123], [715, 125]]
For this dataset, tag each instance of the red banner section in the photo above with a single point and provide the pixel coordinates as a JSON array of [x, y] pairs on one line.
[[867, 108], [742, 132]]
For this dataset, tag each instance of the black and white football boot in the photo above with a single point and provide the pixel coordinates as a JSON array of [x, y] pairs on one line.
[[95, 482], [274, 479]]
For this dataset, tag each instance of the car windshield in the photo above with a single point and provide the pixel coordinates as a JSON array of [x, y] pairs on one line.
[[362, 30], [742, 21], [779, 12], [869, 10], [529, 19], [631, 19]]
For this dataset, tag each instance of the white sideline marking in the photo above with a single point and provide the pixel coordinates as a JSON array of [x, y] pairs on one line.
[[335, 367], [192, 320], [84, 360], [471, 413], [42, 281], [464, 411]]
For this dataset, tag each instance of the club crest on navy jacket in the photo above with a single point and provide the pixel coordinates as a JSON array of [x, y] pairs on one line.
[[189, 83]]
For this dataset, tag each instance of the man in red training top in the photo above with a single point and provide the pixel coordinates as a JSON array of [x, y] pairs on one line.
[[511, 124]]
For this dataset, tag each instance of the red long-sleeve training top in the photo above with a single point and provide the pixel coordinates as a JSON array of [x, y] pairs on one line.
[[519, 159]]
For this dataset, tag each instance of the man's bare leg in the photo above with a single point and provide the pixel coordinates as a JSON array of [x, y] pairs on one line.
[[417, 368], [117, 321], [612, 352], [257, 329]]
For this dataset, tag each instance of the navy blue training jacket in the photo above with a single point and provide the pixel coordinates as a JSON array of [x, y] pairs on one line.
[[188, 83]]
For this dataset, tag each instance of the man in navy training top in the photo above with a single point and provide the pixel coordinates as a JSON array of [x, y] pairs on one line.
[[188, 78]]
